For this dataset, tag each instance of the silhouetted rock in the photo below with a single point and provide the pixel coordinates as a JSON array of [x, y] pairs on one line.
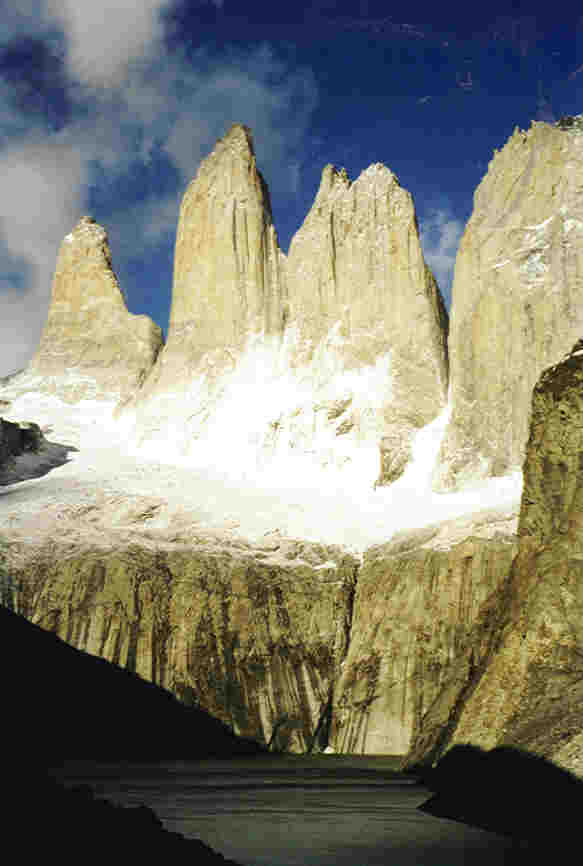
[[41, 819], [506, 791], [25, 453], [61, 703]]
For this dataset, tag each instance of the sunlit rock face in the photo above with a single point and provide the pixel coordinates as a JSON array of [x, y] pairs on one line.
[[226, 290], [254, 635], [291, 365], [525, 685], [415, 634], [517, 297], [366, 314], [91, 347]]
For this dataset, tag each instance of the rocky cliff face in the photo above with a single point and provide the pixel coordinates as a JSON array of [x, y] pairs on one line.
[[526, 690], [463, 630], [227, 288], [517, 297], [254, 635], [91, 346], [415, 630], [361, 300], [311, 359]]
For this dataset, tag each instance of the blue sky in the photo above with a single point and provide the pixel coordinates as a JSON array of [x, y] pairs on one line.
[[107, 109]]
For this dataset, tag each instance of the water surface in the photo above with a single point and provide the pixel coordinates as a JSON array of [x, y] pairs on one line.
[[296, 810]]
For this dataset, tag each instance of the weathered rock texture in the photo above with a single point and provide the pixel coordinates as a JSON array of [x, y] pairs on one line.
[[79, 695], [361, 297], [25, 453], [517, 297], [339, 345], [91, 346], [415, 634], [527, 690], [227, 282], [254, 636]]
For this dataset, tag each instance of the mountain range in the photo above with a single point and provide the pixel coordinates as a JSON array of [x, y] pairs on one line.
[[323, 511]]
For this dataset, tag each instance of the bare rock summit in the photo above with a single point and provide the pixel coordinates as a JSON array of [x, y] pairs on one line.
[[361, 298], [226, 267], [315, 359], [91, 346], [517, 297]]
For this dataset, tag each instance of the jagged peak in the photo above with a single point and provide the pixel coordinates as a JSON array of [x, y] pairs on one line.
[[236, 145], [377, 171], [332, 177], [87, 229], [335, 182], [239, 134]]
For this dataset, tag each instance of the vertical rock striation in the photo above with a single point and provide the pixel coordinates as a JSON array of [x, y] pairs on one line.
[[525, 689], [416, 634], [517, 297], [338, 347], [364, 309], [252, 635], [530, 693], [91, 346], [226, 288]]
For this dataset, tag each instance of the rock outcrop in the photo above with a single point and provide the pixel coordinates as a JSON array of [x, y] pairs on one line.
[[252, 634], [362, 299], [91, 346], [517, 297], [25, 453], [527, 688], [415, 628], [336, 351], [226, 288]]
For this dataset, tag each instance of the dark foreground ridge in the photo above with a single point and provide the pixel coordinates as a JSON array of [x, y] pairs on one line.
[[506, 791], [42, 819], [62, 703]]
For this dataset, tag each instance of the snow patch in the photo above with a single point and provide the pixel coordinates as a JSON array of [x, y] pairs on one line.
[[328, 507]]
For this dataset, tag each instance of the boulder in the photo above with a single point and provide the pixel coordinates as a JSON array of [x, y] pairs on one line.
[[25, 453]]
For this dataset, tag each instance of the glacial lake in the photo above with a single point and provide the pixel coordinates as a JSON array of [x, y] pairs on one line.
[[333, 810]]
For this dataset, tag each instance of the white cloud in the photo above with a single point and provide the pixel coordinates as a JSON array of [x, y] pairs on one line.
[[42, 180], [104, 38], [440, 234], [130, 99]]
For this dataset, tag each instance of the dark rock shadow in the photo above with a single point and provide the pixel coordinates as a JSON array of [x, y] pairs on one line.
[[58, 704], [25, 453], [62, 703], [507, 791]]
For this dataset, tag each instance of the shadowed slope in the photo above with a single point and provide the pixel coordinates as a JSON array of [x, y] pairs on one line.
[[62, 703]]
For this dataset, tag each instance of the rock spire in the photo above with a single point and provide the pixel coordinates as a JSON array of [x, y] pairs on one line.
[[91, 346], [226, 288], [517, 297], [355, 270]]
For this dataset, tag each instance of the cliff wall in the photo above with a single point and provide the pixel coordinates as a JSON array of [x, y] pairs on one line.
[[517, 298], [526, 689], [415, 632], [254, 636]]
